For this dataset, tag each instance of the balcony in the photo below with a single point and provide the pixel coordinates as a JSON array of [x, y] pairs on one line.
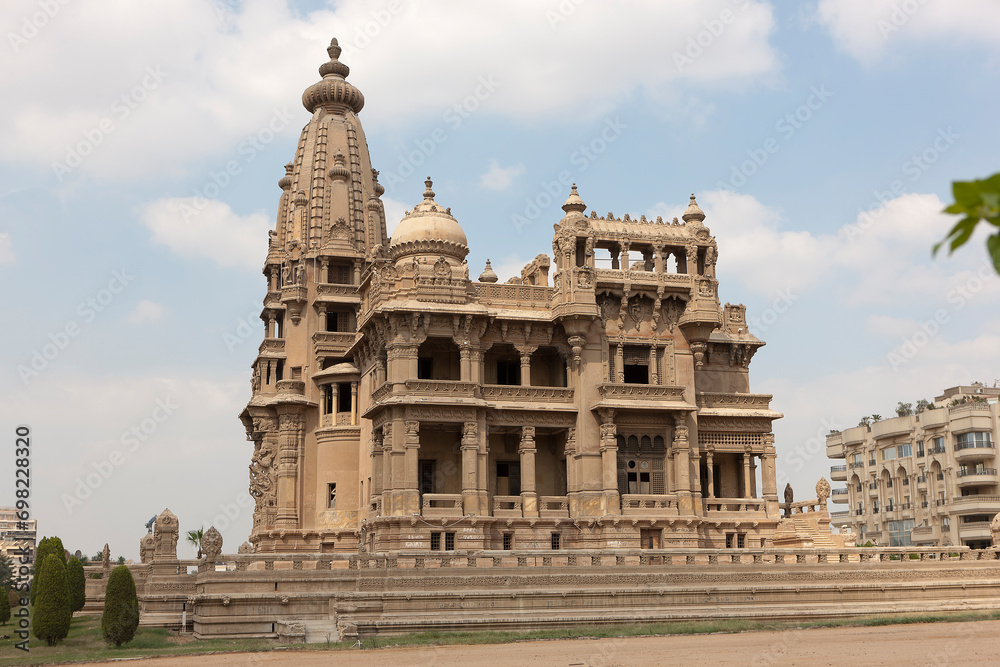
[[519, 296], [337, 293], [507, 506], [925, 535], [972, 530], [520, 394], [272, 346], [641, 397], [872, 488], [331, 343], [974, 451], [635, 504], [839, 496], [835, 446], [838, 473], [441, 504], [856, 464], [553, 507], [976, 477], [970, 417], [935, 449], [855, 435], [892, 427], [975, 504], [740, 505]]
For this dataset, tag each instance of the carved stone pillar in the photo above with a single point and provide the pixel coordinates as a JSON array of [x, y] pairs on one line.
[[379, 370], [377, 454], [411, 485], [526, 351], [746, 474], [619, 364], [335, 405], [529, 498], [271, 331], [470, 478], [654, 375], [354, 403], [682, 465], [753, 476], [465, 364], [388, 466], [658, 264], [476, 365], [710, 463], [767, 475], [289, 432], [609, 463], [324, 271]]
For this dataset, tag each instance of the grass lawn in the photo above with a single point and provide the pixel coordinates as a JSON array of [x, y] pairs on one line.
[[85, 643]]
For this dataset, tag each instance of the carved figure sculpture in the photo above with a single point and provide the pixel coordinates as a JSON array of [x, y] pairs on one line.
[[789, 497], [822, 491], [211, 544], [995, 530]]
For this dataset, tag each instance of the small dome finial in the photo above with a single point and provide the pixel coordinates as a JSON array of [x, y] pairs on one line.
[[428, 193], [693, 213], [334, 66], [488, 275], [574, 203], [333, 92]]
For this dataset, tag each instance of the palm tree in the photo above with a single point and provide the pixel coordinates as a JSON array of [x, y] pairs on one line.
[[194, 537]]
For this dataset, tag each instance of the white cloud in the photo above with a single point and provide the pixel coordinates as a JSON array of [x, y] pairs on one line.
[[865, 29], [394, 212], [499, 178], [207, 228], [508, 267], [145, 312], [218, 78], [6, 249]]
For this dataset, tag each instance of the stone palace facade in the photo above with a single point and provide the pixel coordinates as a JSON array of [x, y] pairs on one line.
[[600, 400]]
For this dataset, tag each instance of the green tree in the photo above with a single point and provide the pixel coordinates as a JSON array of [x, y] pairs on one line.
[[4, 607], [904, 409], [121, 608], [194, 537], [975, 201], [77, 582], [923, 404], [49, 545], [14, 598], [6, 571], [52, 613]]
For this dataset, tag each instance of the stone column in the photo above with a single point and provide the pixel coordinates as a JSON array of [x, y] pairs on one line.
[[609, 463], [289, 426], [529, 499], [682, 453], [710, 463], [354, 403], [568, 451], [654, 374], [465, 364], [377, 455], [335, 405], [380, 370], [270, 324], [526, 352], [476, 365], [388, 465], [767, 476], [658, 265], [411, 482], [619, 364], [470, 478], [626, 264], [746, 474], [324, 271], [753, 476]]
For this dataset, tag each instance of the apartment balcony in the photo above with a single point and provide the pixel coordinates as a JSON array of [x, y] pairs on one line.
[[835, 446], [872, 489], [976, 477], [426, 392], [929, 418], [838, 519], [970, 417], [839, 496], [838, 473], [975, 504], [272, 346], [644, 504], [888, 428], [977, 452], [853, 465], [856, 435], [974, 530], [442, 504]]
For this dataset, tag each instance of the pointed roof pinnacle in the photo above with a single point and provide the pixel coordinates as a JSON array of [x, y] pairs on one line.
[[428, 193], [488, 275], [574, 203], [333, 91], [693, 212]]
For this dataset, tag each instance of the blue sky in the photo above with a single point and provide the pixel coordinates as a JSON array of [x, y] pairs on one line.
[[142, 144]]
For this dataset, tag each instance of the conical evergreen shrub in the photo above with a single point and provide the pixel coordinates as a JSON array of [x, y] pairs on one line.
[[121, 608], [77, 582], [52, 613], [48, 545]]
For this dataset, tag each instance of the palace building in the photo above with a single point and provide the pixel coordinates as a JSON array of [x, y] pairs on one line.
[[600, 400]]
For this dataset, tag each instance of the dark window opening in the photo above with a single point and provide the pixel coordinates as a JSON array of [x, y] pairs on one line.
[[508, 478], [343, 397], [555, 541], [279, 370], [449, 541], [508, 541], [426, 475], [425, 368], [508, 372], [636, 374], [340, 274], [327, 400], [339, 321], [435, 541], [267, 373], [331, 495]]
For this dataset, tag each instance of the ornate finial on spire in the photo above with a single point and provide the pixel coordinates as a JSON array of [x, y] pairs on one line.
[[333, 92], [428, 193], [693, 213], [285, 182], [379, 190], [339, 171], [574, 204], [334, 67], [488, 275]]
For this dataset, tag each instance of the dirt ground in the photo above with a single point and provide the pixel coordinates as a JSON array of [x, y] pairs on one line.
[[973, 643]]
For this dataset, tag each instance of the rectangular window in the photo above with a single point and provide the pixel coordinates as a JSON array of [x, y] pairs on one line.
[[340, 274], [555, 541], [945, 523], [508, 478], [343, 397], [331, 495], [920, 448], [899, 533], [426, 467], [903, 451], [974, 439], [508, 372], [635, 364], [729, 540], [649, 538], [888, 453], [508, 541], [425, 368], [435, 541], [449, 541], [741, 540]]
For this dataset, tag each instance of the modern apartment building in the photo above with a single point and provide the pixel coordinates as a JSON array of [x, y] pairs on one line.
[[923, 479], [14, 533]]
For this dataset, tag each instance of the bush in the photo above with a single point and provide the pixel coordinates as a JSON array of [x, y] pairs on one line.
[[14, 597], [4, 607], [77, 582], [121, 608], [52, 612], [48, 545]]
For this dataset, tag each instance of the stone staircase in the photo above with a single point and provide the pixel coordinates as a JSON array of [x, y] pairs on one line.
[[319, 632]]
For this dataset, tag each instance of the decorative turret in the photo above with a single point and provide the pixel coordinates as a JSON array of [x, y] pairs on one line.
[[488, 275], [574, 204], [333, 91], [693, 214], [429, 229]]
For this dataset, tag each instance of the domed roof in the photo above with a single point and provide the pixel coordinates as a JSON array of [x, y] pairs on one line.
[[333, 90], [429, 228], [693, 214]]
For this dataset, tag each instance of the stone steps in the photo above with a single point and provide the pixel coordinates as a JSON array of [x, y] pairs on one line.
[[319, 632]]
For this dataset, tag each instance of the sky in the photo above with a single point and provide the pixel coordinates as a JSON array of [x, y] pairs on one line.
[[142, 144]]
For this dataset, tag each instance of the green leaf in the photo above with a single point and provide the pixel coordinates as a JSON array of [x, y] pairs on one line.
[[968, 225], [993, 244]]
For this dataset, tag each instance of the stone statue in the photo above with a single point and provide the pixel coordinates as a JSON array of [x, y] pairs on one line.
[[211, 544], [822, 491], [106, 557], [995, 530], [146, 547], [165, 535], [245, 548], [789, 497]]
